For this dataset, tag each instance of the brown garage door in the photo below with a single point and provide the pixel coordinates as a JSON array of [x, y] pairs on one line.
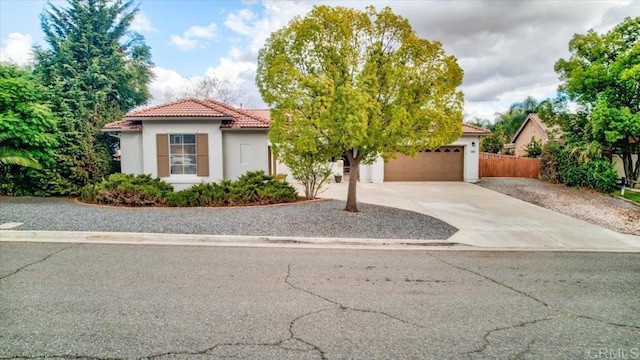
[[443, 164]]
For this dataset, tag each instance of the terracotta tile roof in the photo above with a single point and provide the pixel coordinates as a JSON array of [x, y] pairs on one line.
[[181, 108], [474, 130], [232, 118], [123, 125], [242, 118], [263, 113]]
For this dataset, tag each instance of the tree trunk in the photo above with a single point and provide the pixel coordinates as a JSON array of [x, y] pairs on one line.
[[354, 163]]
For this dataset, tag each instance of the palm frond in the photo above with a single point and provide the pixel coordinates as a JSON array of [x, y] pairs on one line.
[[17, 157]]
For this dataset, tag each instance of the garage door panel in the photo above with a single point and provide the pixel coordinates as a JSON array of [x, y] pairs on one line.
[[443, 164]]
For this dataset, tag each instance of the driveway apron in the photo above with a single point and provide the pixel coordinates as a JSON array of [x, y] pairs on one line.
[[487, 218]]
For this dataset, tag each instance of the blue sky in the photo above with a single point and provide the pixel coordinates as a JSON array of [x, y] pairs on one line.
[[507, 49]]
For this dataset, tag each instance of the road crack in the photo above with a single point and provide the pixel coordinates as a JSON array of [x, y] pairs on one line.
[[560, 313], [337, 306], [38, 262]]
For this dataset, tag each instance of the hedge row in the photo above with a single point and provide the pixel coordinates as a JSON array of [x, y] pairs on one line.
[[561, 163], [252, 188]]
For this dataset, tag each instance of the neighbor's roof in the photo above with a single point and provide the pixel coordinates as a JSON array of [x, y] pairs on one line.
[[232, 118], [474, 130], [535, 119]]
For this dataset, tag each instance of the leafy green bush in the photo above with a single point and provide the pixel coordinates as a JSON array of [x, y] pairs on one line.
[[565, 163], [550, 162], [128, 190], [252, 188], [601, 175], [210, 194], [533, 148]]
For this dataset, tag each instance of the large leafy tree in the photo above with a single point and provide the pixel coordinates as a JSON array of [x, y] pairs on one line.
[[361, 83], [26, 134], [603, 76], [96, 70]]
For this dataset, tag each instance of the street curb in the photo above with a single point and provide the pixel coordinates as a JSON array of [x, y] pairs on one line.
[[213, 240], [122, 238]]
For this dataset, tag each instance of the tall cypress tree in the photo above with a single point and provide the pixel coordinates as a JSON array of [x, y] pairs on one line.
[[96, 70]]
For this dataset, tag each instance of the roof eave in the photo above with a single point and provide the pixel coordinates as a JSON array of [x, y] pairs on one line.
[[178, 118], [244, 128], [120, 130]]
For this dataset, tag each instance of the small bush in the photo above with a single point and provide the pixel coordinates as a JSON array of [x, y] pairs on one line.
[[252, 188], [127, 190], [550, 162], [601, 175], [533, 148], [211, 194]]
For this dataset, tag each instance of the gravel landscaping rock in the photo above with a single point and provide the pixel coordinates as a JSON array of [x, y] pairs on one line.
[[310, 219], [600, 209]]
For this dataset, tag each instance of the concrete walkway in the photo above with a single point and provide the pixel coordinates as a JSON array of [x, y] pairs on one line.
[[490, 219]]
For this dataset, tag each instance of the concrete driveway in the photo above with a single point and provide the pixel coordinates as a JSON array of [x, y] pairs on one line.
[[489, 219]]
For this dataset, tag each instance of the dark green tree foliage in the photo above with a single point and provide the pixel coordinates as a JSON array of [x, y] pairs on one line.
[[26, 128], [603, 75], [96, 70], [493, 143], [534, 148]]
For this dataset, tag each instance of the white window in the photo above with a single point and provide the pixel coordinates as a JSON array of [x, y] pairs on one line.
[[182, 153]]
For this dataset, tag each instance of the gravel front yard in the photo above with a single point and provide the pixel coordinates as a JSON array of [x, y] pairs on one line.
[[604, 210], [311, 219]]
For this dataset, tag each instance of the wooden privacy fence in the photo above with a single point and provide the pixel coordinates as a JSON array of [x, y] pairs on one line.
[[497, 165]]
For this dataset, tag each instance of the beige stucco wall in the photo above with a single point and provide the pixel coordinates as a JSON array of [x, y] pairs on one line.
[[244, 151], [179, 182], [528, 131], [131, 147]]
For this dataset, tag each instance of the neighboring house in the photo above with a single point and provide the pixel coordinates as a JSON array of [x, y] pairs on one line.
[[532, 127], [191, 141]]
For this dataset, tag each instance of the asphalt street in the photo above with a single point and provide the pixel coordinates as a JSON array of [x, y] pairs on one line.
[[133, 302]]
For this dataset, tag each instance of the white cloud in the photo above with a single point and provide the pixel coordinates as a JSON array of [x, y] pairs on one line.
[[194, 36], [166, 85], [141, 23], [240, 22], [506, 49], [17, 49]]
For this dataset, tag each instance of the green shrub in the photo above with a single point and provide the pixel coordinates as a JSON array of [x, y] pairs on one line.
[[562, 163], [252, 188], [128, 190], [601, 175], [210, 194], [533, 148], [550, 162]]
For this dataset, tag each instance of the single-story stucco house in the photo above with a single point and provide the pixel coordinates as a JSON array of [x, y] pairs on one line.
[[190, 141], [532, 127]]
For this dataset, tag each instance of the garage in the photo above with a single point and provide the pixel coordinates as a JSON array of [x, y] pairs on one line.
[[443, 164]]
